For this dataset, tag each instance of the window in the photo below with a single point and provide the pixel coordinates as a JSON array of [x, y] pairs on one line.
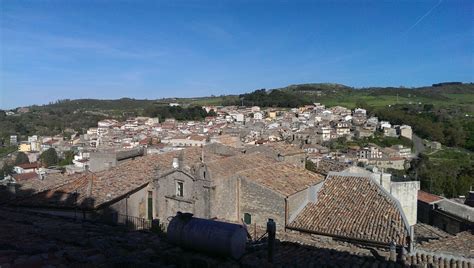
[[179, 188], [247, 218], [150, 205]]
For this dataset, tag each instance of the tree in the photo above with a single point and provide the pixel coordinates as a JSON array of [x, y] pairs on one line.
[[309, 165], [212, 113], [6, 170], [49, 157], [360, 103], [68, 157], [21, 158]]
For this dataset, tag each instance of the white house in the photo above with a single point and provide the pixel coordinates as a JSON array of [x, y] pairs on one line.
[[255, 109], [258, 116]]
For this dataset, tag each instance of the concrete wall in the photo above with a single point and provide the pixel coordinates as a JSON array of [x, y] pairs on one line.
[[407, 194], [102, 161], [262, 204]]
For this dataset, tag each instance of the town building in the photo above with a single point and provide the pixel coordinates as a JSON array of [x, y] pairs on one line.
[[445, 214]]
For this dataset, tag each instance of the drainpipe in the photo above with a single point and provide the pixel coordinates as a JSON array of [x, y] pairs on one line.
[[126, 207]]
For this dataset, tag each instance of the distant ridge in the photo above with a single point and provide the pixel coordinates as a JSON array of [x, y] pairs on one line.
[[315, 87], [327, 90]]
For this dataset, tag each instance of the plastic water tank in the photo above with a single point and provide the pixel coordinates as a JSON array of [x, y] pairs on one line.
[[214, 237]]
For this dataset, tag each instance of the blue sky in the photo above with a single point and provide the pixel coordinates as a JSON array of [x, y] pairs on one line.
[[151, 49]]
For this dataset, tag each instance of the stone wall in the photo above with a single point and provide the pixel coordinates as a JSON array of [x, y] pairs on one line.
[[167, 203], [223, 199], [262, 204]]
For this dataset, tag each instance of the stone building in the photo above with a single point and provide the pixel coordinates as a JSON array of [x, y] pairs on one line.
[[220, 182], [248, 187], [281, 152], [444, 214]]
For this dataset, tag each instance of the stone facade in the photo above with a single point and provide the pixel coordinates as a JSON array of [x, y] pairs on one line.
[[194, 196], [261, 203]]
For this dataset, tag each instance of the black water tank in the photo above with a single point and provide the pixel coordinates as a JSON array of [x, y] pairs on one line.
[[214, 237]]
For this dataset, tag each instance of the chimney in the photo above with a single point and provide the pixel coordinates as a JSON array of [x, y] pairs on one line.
[[175, 162], [90, 181]]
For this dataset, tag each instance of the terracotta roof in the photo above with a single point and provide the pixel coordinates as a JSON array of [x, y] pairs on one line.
[[325, 166], [354, 207], [29, 165], [282, 177], [71, 194], [427, 197], [25, 176], [425, 232], [284, 148], [227, 167], [106, 186], [460, 245]]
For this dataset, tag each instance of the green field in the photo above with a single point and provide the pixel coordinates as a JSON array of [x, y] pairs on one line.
[[452, 154], [350, 100], [6, 150]]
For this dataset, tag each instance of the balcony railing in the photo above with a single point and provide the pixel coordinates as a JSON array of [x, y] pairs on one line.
[[133, 223]]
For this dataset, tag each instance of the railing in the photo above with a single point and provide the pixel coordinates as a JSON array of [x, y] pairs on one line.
[[133, 223]]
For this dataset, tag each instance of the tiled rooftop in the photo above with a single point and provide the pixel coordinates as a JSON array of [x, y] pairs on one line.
[[25, 176], [95, 189], [34, 240], [325, 166], [283, 178], [29, 165], [427, 197], [425, 232], [227, 167], [461, 245], [284, 148], [353, 207]]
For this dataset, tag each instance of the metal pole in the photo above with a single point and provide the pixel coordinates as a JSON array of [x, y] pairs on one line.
[[271, 230]]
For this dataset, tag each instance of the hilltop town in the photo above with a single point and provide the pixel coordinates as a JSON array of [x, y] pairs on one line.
[[321, 134], [327, 176]]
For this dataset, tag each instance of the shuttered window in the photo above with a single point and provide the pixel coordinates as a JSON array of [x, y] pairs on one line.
[[247, 218]]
